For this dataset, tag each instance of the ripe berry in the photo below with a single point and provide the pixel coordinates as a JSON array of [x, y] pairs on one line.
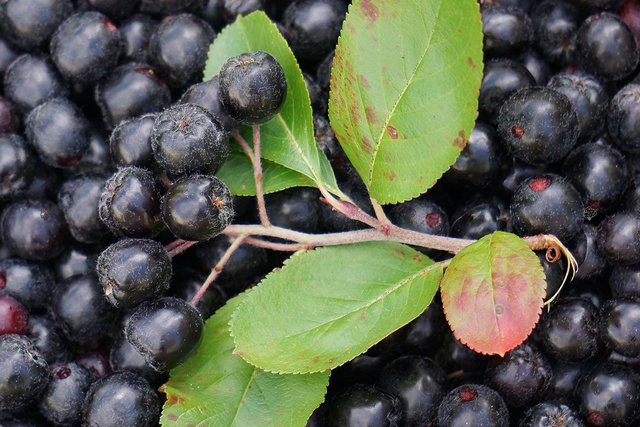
[[538, 125], [135, 33], [125, 357], [48, 338], [31, 80], [547, 204], [134, 270], [17, 165], [178, 48], [552, 413], [30, 23], [624, 112], [473, 405], [23, 372], [121, 399], [197, 207], [207, 95], [61, 402], [624, 281], [130, 142], [186, 139], [618, 238], [556, 24], [500, 78], [253, 87], [620, 326], [130, 203], [164, 344], [79, 198], [607, 47], [363, 405], [34, 230], [85, 47], [28, 282], [506, 30], [295, 208]]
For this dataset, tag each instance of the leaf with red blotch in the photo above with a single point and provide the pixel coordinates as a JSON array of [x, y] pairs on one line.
[[492, 293]]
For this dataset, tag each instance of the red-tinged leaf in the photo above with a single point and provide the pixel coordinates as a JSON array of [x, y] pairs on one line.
[[492, 293]]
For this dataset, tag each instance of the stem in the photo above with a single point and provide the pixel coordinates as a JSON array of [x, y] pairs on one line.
[[181, 247], [257, 173], [350, 210], [382, 217], [173, 244], [215, 271], [245, 147]]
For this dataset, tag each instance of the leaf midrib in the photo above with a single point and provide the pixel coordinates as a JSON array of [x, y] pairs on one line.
[[400, 96]]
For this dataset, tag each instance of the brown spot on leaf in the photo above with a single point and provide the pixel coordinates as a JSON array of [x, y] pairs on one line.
[[393, 132], [315, 360], [361, 316], [172, 417], [471, 63], [331, 361], [366, 144], [369, 9], [364, 82], [461, 140], [389, 175], [417, 258], [420, 179], [385, 70], [371, 115]]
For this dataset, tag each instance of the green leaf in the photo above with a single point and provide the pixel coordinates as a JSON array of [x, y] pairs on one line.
[[218, 388], [237, 173], [492, 293], [326, 306], [404, 87], [288, 138]]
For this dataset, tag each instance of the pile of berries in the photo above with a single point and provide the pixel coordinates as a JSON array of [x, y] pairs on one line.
[[109, 146]]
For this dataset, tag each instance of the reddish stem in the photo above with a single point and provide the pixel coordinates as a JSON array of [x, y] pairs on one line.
[[181, 247]]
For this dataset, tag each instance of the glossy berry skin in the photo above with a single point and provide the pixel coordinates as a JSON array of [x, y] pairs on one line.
[[125, 357], [79, 198], [61, 402], [129, 91], [13, 316], [85, 47], [312, 28], [500, 78], [538, 125], [81, 308], [609, 395], [115, 9], [30, 24], [121, 399], [23, 372], [164, 344], [253, 87], [479, 162], [243, 264], [186, 139], [569, 331], [207, 95], [58, 132], [620, 326], [419, 383], [521, 377], [506, 30], [134, 270], [556, 24], [589, 98], [421, 215], [618, 238], [593, 264], [75, 260], [364, 405], [130, 203], [624, 113], [197, 207], [17, 166], [135, 33], [34, 230], [49, 339], [551, 413], [31, 80], [178, 49], [599, 172], [607, 47], [479, 217], [425, 333], [130, 142], [28, 282], [473, 405], [294, 208], [624, 281], [187, 288], [547, 204]]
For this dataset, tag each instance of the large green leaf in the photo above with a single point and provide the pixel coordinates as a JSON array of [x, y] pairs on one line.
[[326, 306], [404, 88], [218, 388], [492, 293], [288, 138], [237, 173]]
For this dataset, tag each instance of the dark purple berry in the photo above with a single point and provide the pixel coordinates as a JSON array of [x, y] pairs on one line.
[[506, 30], [79, 199], [207, 95], [253, 87], [130, 142], [17, 166], [23, 372], [618, 238], [28, 282], [473, 405], [135, 34], [61, 402], [624, 113], [30, 23], [620, 326], [363, 405]]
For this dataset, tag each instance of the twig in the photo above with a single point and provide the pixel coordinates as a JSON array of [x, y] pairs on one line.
[[350, 210], [245, 146], [215, 271], [382, 217], [173, 244], [181, 247], [257, 173]]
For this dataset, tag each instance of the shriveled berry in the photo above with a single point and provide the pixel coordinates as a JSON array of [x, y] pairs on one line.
[[253, 87]]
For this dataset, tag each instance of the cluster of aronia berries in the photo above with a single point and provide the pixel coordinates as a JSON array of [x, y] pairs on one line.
[[104, 181]]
